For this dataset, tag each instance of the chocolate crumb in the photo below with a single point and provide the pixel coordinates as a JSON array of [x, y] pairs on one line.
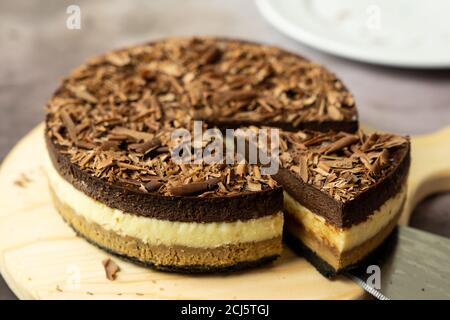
[[22, 181]]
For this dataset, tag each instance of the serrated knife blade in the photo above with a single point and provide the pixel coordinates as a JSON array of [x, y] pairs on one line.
[[413, 265]]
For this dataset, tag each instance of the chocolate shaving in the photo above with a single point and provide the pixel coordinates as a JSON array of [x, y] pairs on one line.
[[212, 55], [380, 163], [341, 143], [81, 93], [133, 134], [384, 158], [109, 145], [70, 126], [364, 159], [304, 169], [316, 139], [375, 169], [194, 187], [324, 167], [162, 150], [340, 163], [118, 60], [153, 185], [146, 147], [22, 181], [111, 269], [129, 181], [85, 145], [224, 97], [369, 142], [129, 166]]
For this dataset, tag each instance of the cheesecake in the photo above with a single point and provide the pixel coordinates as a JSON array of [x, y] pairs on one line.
[[114, 179], [343, 194]]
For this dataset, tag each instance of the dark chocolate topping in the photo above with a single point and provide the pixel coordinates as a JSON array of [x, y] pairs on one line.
[[113, 115]]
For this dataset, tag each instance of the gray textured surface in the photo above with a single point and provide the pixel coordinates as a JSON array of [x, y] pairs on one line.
[[36, 50]]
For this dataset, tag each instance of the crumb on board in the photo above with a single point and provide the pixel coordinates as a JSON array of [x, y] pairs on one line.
[[22, 181], [111, 269]]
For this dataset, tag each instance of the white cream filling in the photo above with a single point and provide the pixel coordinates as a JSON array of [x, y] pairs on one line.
[[348, 238], [163, 232]]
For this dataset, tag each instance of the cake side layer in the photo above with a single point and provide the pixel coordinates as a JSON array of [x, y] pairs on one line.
[[303, 221], [245, 206], [326, 260], [163, 232], [173, 258]]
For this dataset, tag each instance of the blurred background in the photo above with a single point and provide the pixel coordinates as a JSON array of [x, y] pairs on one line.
[[37, 49]]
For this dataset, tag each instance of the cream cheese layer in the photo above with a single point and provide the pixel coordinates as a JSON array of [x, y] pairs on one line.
[[343, 239], [163, 232]]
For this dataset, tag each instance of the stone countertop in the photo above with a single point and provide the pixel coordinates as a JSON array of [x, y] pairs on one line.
[[37, 50]]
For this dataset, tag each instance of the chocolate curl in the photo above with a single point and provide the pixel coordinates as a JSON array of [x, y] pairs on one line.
[[194, 187]]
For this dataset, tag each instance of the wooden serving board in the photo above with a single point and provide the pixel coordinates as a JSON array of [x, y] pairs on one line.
[[42, 258]]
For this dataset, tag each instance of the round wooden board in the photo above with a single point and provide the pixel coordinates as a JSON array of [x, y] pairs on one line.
[[42, 258]]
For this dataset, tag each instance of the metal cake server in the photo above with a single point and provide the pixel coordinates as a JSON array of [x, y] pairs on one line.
[[413, 264]]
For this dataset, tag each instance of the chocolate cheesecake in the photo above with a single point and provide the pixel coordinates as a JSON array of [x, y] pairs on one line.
[[113, 179], [344, 194]]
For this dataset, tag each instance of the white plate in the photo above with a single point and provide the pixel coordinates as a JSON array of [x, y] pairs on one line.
[[402, 33]]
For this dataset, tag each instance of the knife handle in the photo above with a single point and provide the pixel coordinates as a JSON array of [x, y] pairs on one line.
[[430, 168]]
